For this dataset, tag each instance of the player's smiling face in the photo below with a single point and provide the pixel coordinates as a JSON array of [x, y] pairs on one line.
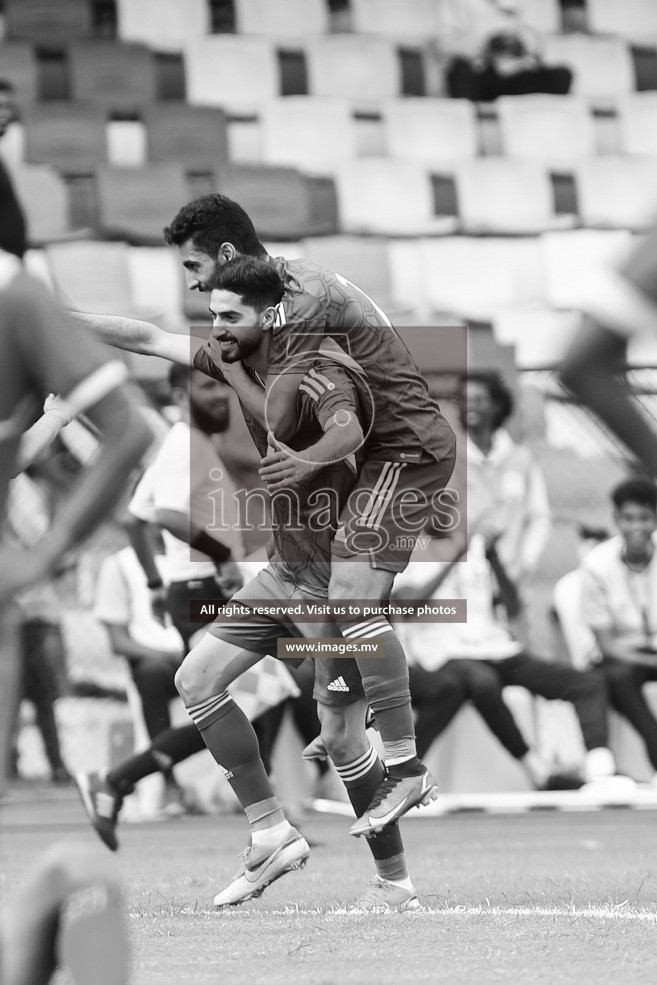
[[237, 327]]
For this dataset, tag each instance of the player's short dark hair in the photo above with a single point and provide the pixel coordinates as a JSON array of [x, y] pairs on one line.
[[255, 281], [643, 492], [211, 220], [179, 376], [498, 392], [6, 85]]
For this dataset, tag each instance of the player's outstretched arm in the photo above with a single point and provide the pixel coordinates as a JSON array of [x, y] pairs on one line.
[[592, 370], [140, 336]]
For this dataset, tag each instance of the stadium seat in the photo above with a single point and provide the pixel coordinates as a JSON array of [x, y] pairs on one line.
[[554, 129], [633, 19], [68, 136], [119, 76], [365, 262], [126, 143], [432, 132], [394, 198], [364, 70], [48, 22], [602, 67], [282, 18], [194, 136], [395, 19], [308, 132], [155, 283], [506, 196], [540, 337], [164, 25], [18, 65], [573, 262], [136, 203], [46, 203], [543, 16], [637, 123], [407, 286], [93, 275], [221, 71], [276, 198], [476, 277], [617, 192]]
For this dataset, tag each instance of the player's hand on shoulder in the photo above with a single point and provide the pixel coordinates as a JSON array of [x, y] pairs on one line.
[[283, 467]]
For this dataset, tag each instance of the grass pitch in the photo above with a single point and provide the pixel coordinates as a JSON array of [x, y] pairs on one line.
[[545, 898]]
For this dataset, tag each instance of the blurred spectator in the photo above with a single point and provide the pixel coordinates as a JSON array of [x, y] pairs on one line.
[[477, 659], [509, 64], [578, 639], [13, 231], [153, 652], [506, 492], [43, 669], [187, 491], [619, 603], [466, 25]]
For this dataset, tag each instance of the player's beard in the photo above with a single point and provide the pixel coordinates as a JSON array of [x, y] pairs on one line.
[[240, 350]]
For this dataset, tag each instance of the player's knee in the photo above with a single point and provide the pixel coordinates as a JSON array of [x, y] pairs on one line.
[[186, 681], [338, 734]]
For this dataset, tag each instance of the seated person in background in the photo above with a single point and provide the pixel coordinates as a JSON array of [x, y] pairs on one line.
[[476, 660], [577, 638], [509, 64], [619, 603]]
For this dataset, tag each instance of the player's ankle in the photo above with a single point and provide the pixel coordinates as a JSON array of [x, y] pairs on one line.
[[265, 837], [412, 766]]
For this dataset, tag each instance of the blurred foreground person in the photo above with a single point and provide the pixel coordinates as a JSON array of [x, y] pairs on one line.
[[621, 305], [67, 912], [43, 351]]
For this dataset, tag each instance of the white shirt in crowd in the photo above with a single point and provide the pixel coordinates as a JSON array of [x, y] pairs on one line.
[[508, 487], [187, 475], [615, 598], [122, 598], [485, 635]]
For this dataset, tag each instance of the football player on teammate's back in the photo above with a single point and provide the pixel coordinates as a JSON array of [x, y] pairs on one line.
[[330, 411], [409, 447]]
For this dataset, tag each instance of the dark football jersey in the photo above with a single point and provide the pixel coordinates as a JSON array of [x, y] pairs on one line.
[[318, 303], [305, 517]]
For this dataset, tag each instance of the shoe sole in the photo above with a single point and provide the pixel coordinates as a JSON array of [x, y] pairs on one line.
[[82, 784], [374, 829], [257, 892]]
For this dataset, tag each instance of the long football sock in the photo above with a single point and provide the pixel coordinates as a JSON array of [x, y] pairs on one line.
[[229, 736], [362, 778], [385, 682], [168, 748]]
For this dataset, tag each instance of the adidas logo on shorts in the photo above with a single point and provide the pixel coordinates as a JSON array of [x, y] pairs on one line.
[[339, 684]]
